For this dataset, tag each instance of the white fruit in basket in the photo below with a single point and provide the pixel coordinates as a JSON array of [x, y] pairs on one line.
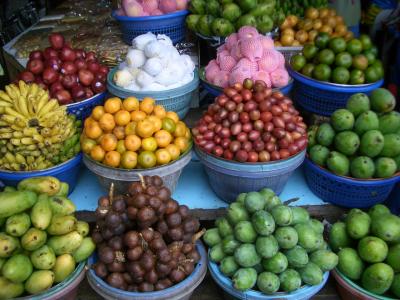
[[144, 79], [141, 41], [123, 77], [186, 79], [188, 63], [153, 66], [134, 71], [135, 58], [133, 86], [172, 74], [154, 87], [154, 49], [162, 38]]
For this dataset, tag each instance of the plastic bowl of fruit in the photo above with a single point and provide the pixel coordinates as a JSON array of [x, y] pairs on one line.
[[348, 289], [217, 90], [251, 137], [123, 139], [344, 68], [303, 293]]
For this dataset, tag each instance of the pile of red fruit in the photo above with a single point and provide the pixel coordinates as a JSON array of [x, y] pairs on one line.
[[251, 123], [71, 75]]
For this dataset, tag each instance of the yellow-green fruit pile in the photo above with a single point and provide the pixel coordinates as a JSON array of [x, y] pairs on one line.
[[35, 131], [41, 241]]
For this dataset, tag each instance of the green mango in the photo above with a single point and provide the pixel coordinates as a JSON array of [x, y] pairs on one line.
[[61, 206], [276, 264], [18, 224], [8, 245], [326, 260], [290, 280], [228, 266], [244, 279], [83, 228], [268, 283], [311, 274], [66, 243], [358, 223], [64, 190], [212, 237], [41, 213], [64, 266], [41, 185], [61, 225], [85, 249], [17, 268], [10, 290], [39, 281], [33, 239], [43, 258], [338, 237], [12, 203], [350, 263]]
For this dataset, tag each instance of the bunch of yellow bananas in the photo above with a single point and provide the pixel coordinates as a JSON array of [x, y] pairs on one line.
[[33, 127]]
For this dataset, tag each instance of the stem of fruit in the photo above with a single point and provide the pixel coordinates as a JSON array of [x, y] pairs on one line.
[[198, 235], [111, 193], [142, 180]]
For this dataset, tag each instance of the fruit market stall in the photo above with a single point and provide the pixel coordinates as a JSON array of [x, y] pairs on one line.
[[108, 174]]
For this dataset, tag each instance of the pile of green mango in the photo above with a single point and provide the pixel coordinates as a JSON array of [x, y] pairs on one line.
[[40, 239], [361, 140], [265, 244], [368, 246], [222, 17]]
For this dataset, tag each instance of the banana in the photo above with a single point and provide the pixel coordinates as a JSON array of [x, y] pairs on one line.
[[16, 142], [10, 92], [24, 89], [31, 131], [31, 147], [23, 106], [52, 104], [10, 157], [41, 102], [15, 90], [4, 103], [5, 97], [20, 159], [6, 129], [37, 138], [30, 159], [10, 111], [18, 134], [27, 141], [6, 135]]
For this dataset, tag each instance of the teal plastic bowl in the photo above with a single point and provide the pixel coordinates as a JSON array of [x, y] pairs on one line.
[[177, 100], [224, 282]]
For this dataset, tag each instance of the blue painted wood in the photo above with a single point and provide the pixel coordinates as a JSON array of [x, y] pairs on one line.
[[193, 190]]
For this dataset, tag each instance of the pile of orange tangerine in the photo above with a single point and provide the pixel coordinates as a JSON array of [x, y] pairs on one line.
[[130, 134]]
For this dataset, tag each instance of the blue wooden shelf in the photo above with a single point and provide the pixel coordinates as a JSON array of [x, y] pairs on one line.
[[193, 190]]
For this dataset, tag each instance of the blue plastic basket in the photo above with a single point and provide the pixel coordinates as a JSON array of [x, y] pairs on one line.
[[304, 293], [177, 100], [172, 25], [230, 178], [324, 98], [66, 172], [180, 291], [216, 90], [346, 191], [84, 108]]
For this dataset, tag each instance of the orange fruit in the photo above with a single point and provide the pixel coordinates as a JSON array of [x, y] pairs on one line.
[[112, 105], [93, 130], [109, 142], [157, 123], [149, 144], [317, 24], [302, 36], [287, 40], [138, 115], [182, 143], [173, 151], [163, 157], [296, 43], [163, 138], [112, 159], [159, 111], [87, 145], [341, 29], [312, 35], [323, 12], [331, 12], [107, 122], [119, 132], [97, 112], [144, 129], [172, 115], [312, 13], [132, 142], [308, 24], [97, 153], [122, 117], [88, 121], [147, 159], [130, 104], [147, 105], [188, 134], [130, 128], [326, 28], [285, 24], [129, 160], [288, 31], [293, 20], [121, 147], [339, 20], [169, 125], [180, 129]]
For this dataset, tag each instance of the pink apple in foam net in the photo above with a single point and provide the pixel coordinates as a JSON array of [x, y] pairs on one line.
[[168, 6], [132, 8], [181, 4]]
